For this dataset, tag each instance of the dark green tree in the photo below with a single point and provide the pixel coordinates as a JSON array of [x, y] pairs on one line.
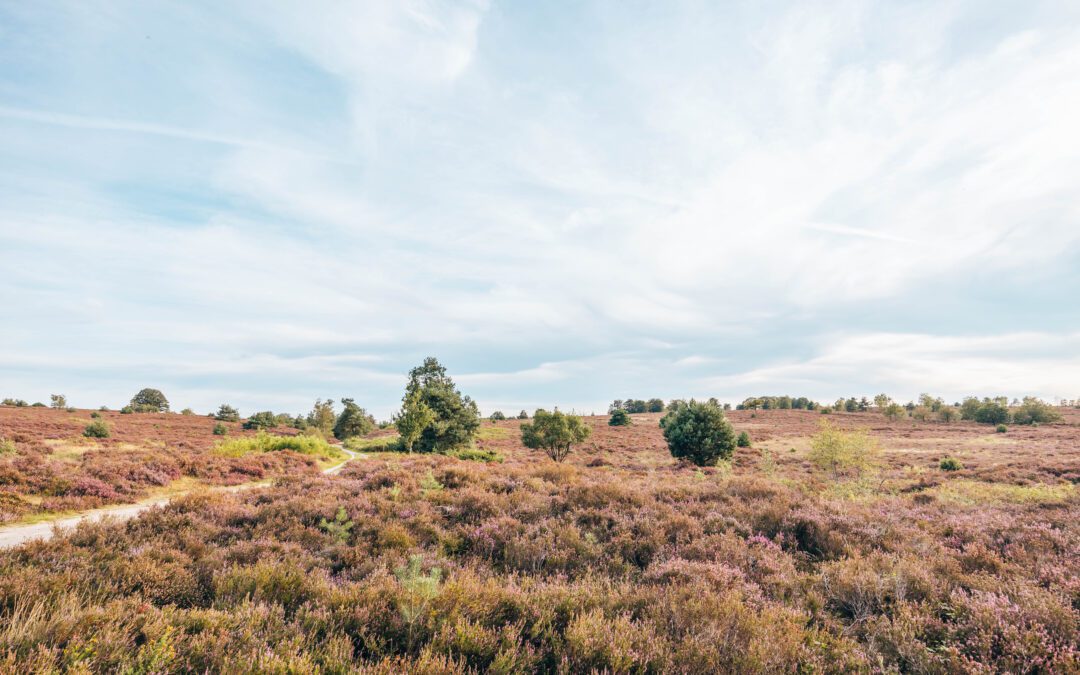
[[699, 432], [227, 413], [456, 416], [553, 433], [353, 421], [150, 400], [619, 418]]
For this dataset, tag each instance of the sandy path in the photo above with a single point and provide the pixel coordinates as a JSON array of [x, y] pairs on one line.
[[17, 534]]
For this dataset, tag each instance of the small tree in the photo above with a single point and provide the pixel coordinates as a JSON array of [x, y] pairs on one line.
[[553, 433], [947, 413], [456, 416], [655, 405], [415, 416], [58, 401], [353, 421], [150, 400], [882, 400], [893, 411], [743, 441], [992, 412], [220, 429], [1035, 411], [322, 416], [523, 415], [699, 432], [619, 418], [227, 413], [497, 416], [840, 451]]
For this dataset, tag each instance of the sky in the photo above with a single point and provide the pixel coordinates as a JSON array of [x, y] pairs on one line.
[[264, 203]]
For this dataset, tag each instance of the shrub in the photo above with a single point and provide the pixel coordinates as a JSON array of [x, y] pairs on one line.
[[947, 413], [893, 411], [553, 433], [96, 429], [743, 441], [654, 405], [476, 455], [699, 432], [15, 402], [220, 429], [842, 451], [826, 411], [261, 420], [1035, 411], [1001, 428], [353, 421], [150, 400], [497, 416], [127, 410], [619, 418], [382, 444], [992, 412], [227, 413], [339, 527], [7, 446], [322, 416], [187, 412], [37, 404], [523, 415], [456, 417], [58, 401], [95, 415], [950, 464], [263, 443]]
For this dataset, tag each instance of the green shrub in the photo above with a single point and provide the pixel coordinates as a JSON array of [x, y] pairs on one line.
[[744, 440], [892, 411], [842, 451], [7, 446], [826, 411], [220, 429], [187, 412], [497, 416], [699, 432], [38, 404], [96, 429], [619, 418], [305, 445], [14, 402], [227, 413], [455, 417], [70, 409], [58, 401], [950, 464], [553, 433], [261, 420], [380, 444], [339, 527], [477, 455], [523, 415], [127, 410], [95, 415], [150, 400], [1035, 411], [992, 412], [1001, 428]]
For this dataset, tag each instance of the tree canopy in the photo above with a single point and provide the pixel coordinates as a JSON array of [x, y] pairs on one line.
[[554, 433]]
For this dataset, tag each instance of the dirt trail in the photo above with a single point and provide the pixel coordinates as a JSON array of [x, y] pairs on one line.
[[18, 534]]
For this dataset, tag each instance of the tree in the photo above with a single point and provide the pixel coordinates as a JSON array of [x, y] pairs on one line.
[[947, 413], [619, 418], [322, 416], [227, 413], [655, 405], [553, 433], [523, 415], [992, 412], [851, 405], [842, 451], [220, 429], [699, 432], [617, 404], [456, 416], [58, 400], [149, 400], [882, 400], [497, 416], [893, 411], [261, 420], [635, 406], [353, 421], [968, 408], [414, 418], [743, 441]]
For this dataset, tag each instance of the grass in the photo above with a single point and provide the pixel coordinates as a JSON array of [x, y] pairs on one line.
[[493, 433], [377, 444], [305, 445], [977, 492]]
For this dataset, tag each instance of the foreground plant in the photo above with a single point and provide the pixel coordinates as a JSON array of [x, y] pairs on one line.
[[699, 432]]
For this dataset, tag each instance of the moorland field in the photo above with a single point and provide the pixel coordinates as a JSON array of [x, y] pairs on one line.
[[619, 559]]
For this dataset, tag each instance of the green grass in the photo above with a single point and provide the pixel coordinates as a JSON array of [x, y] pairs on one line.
[[378, 444], [475, 455], [978, 492], [491, 432], [305, 445]]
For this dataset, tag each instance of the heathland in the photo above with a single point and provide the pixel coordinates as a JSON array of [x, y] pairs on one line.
[[949, 548]]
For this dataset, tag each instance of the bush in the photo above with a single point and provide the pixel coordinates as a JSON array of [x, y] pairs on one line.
[[619, 418], [1001, 428], [127, 410], [950, 464], [699, 432], [227, 413], [7, 446], [826, 411], [15, 402], [58, 401], [1035, 411], [322, 416], [553, 433], [892, 411], [842, 451], [353, 421], [475, 455], [497, 416], [523, 415], [150, 400], [220, 429], [992, 412], [96, 429], [382, 444], [188, 412], [37, 404], [743, 441], [261, 420], [655, 405]]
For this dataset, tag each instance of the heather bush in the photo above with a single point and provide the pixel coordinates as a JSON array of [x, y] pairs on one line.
[[699, 432]]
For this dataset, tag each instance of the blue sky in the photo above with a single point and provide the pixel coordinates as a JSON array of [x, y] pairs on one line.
[[566, 203]]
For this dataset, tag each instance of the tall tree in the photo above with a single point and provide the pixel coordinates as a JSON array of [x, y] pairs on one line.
[[456, 416]]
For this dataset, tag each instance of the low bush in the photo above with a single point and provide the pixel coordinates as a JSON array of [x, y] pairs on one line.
[[96, 429], [497, 416], [261, 420], [619, 418], [743, 441], [477, 455], [220, 429], [950, 464], [1001, 428], [261, 443]]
